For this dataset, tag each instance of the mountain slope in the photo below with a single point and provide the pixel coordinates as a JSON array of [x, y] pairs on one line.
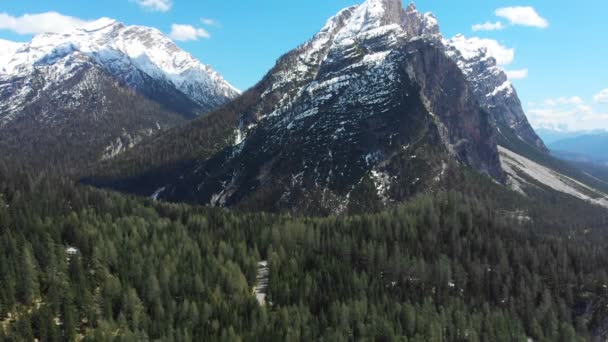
[[97, 120], [551, 135], [592, 146], [132, 78]]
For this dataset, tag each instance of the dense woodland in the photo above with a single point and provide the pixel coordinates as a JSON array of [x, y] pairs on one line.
[[78, 263]]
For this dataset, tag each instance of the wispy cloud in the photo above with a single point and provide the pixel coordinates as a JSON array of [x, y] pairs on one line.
[[210, 22], [488, 26], [571, 113], [522, 15], [517, 74], [155, 5], [602, 96], [187, 33], [578, 118], [48, 22], [574, 100]]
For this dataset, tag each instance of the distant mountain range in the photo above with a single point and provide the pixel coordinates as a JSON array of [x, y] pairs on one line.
[[92, 93], [586, 146]]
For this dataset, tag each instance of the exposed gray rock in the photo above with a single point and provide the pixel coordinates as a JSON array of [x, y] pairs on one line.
[[493, 90]]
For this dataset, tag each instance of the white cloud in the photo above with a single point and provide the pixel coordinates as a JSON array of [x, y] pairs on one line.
[[576, 119], [155, 5], [574, 100], [209, 22], [48, 22], [584, 109], [522, 15], [602, 96], [569, 112], [517, 74], [187, 32], [488, 26], [469, 47]]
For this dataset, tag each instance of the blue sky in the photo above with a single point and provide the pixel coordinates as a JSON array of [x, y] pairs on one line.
[[566, 61]]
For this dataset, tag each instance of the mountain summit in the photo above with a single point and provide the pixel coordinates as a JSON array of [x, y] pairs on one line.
[[99, 89], [377, 107]]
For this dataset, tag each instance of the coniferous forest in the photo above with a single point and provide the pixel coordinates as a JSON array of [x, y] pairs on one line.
[[78, 263], [382, 181]]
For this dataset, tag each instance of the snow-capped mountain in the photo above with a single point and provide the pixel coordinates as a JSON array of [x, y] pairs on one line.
[[7, 49], [130, 53], [58, 81], [375, 108]]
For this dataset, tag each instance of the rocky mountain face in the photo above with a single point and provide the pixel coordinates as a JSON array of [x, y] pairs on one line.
[[103, 87], [370, 111], [492, 89]]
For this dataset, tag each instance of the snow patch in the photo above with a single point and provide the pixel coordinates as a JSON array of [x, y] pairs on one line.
[[505, 87], [71, 250], [382, 181], [260, 289], [157, 193]]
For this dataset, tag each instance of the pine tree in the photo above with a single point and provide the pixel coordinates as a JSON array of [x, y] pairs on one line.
[[28, 289]]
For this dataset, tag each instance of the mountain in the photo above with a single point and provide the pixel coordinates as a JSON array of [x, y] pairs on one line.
[[585, 147], [551, 135], [377, 107], [93, 92]]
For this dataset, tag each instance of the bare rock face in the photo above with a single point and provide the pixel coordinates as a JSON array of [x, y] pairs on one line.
[[417, 24], [467, 128], [492, 89]]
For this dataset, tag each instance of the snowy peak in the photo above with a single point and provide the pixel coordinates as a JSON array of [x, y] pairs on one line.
[[373, 15], [368, 33], [418, 24], [469, 48], [100, 24], [381, 12], [7, 50], [129, 53]]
